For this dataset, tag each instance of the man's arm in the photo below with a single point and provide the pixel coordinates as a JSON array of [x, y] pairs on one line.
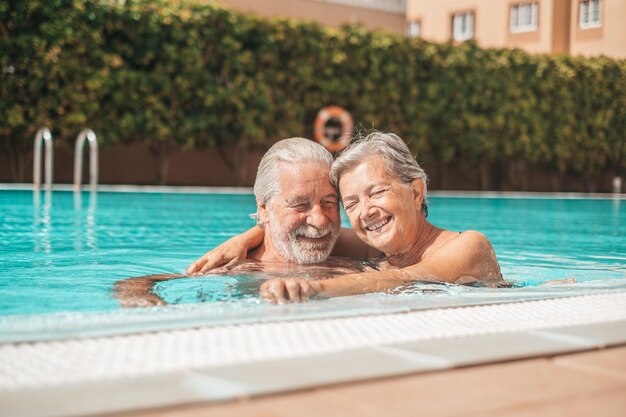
[[237, 248], [137, 291], [230, 252]]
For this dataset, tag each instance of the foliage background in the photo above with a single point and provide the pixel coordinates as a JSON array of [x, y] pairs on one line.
[[193, 75]]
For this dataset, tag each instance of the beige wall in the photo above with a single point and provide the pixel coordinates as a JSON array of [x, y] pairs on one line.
[[491, 22], [558, 30], [322, 12], [561, 26], [609, 39]]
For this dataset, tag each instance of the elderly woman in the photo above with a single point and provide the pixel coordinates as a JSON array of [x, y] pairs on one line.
[[383, 190]]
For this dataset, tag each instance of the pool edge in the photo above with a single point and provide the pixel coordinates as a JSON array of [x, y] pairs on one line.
[[558, 335]]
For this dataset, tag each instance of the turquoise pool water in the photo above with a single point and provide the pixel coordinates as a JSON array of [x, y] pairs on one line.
[[62, 252]]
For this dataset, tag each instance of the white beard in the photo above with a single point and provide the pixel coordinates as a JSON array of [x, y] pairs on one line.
[[293, 249]]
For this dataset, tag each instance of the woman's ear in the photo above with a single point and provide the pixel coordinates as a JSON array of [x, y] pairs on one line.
[[418, 188]]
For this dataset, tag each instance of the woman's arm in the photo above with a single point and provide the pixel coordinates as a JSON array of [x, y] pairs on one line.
[[296, 290], [469, 258], [233, 250]]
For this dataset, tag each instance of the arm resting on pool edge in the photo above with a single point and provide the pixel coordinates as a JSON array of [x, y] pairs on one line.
[[137, 291], [469, 258]]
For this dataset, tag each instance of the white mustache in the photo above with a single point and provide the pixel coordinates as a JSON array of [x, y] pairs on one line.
[[311, 232]]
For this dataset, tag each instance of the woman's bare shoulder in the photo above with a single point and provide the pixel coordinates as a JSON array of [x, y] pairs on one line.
[[470, 247], [473, 238], [449, 240]]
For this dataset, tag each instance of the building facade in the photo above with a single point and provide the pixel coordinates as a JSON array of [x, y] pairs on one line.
[[598, 27], [577, 27], [387, 15]]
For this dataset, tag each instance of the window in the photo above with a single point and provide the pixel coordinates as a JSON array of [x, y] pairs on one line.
[[524, 17], [413, 28], [463, 26], [589, 14]]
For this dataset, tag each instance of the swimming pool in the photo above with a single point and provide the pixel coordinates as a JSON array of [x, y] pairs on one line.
[[62, 253]]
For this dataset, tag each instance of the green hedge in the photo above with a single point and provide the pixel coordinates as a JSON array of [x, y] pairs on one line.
[[193, 75]]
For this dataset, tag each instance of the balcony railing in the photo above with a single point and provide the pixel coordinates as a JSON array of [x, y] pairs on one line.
[[391, 6]]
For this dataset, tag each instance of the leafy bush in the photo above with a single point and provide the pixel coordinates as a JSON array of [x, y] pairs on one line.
[[188, 74]]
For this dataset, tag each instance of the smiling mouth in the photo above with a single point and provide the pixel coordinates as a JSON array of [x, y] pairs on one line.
[[377, 226], [312, 239]]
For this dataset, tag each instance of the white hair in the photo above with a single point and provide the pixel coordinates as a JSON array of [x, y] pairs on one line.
[[292, 151], [399, 162]]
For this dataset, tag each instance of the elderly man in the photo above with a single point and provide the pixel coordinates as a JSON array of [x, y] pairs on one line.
[[298, 209], [297, 206]]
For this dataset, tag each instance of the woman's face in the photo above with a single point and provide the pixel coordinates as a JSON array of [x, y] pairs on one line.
[[383, 211]]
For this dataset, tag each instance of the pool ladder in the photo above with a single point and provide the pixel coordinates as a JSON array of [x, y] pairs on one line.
[[44, 136], [90, 136]]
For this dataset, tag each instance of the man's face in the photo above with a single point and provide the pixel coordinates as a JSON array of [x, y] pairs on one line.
[[302, 221]]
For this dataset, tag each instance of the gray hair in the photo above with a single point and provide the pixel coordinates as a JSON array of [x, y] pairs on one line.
[[287, 151], [399, 162]]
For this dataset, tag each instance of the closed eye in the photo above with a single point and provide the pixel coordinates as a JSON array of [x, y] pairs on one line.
[[378, 192]]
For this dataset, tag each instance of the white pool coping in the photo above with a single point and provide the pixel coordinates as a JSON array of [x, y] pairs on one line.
[[129, 188], [146, 370], [73, 325]]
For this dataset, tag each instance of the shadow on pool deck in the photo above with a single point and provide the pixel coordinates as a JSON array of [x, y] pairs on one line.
[[581, 384]]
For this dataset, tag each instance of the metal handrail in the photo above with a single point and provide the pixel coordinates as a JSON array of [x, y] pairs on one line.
[[93, 159], [44, 135]]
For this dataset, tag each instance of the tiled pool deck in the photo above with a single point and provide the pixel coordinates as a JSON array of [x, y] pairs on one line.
[[417, 363], [573, 385]]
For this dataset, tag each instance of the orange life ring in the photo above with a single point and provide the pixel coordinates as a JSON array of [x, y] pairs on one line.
[[342, 132]]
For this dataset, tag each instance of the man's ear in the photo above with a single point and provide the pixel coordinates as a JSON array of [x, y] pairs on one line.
[[262, 213], [418, 188]]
